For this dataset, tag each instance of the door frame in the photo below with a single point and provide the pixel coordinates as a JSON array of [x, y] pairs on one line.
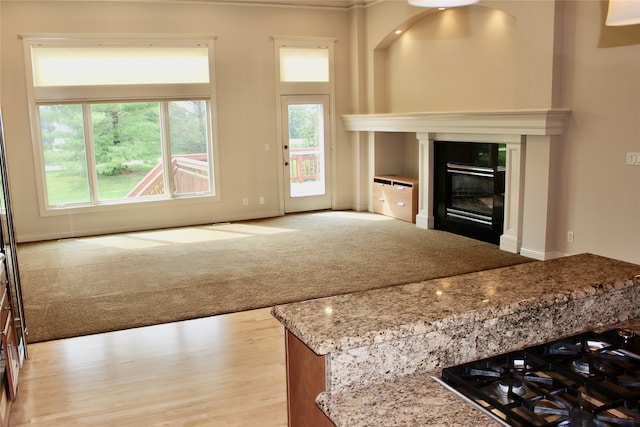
[[308, 89], [306, 203]]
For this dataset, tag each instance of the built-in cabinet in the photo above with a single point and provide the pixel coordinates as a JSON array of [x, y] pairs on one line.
[[396, 196], [9, 342], [13, 341], [11, 353], [9, 362]]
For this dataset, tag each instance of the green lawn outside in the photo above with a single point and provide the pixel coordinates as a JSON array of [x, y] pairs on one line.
[[64, 187]]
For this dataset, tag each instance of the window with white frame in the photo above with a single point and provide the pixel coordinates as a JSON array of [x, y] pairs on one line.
[[304, 65], [121, 120]]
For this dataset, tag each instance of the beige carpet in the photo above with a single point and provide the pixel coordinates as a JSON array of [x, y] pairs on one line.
[[88, 285]]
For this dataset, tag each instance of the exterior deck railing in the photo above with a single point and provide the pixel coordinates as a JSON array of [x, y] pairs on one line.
[[190, 175], [304, 164]]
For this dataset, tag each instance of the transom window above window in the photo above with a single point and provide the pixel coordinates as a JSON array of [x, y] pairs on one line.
[[115, 65]]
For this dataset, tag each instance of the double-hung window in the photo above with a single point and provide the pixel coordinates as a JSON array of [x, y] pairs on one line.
[[121, 120]]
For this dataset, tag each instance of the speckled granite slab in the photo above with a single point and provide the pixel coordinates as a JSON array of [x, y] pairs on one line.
[[415, 400], [377, 336], [349, 321]]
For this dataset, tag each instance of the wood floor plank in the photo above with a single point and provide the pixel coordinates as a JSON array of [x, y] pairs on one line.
[[226, 370]]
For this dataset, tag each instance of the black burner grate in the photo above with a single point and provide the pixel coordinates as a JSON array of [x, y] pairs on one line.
[[584, 380]]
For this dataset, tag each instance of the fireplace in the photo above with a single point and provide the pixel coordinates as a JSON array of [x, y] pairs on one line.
[[469, 189], [529, 136]]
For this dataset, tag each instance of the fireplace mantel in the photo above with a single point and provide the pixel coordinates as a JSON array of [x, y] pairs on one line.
[[528, 222], [507, 122]]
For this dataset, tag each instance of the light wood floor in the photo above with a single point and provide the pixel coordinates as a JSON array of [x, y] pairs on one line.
[[219, 371]]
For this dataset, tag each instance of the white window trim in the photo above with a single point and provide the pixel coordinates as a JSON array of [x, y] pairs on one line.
[[118, 94], [305, 88], [298, 88]]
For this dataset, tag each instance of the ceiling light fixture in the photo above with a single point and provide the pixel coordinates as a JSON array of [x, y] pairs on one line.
[[623, 12], [442, 3]]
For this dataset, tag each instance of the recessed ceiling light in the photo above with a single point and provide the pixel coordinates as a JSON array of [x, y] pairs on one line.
[[398, 32]]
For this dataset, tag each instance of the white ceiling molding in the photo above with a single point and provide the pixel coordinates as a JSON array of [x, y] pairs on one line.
[[319, 4], [441, 3]]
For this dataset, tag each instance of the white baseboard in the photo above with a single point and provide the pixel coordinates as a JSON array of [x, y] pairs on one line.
[[509, 244], [540, 256], [425, 221], [37, 237]]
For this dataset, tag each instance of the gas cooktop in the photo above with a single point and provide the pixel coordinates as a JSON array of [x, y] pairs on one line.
[[590, 379]]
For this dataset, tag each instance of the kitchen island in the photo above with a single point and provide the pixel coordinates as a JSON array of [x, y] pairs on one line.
[[373, 353]]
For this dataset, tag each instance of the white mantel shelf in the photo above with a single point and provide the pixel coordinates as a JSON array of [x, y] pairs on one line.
[[513, 122]]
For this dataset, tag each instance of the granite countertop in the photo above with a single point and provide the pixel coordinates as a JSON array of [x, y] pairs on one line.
[[384, 346], [345, 322], [416, 400], [413, 401]]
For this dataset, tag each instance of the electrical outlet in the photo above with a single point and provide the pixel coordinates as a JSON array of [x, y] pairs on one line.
[[633, 159], [570, 236], [261, 200], [245, 201]]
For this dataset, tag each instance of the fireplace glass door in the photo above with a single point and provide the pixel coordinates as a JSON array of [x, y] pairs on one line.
[[469, 181], [471, 193]]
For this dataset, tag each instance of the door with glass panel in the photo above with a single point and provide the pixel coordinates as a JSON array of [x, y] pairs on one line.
[[306, 152]]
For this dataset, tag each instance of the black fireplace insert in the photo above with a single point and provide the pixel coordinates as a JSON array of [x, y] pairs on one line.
[[469, 189]]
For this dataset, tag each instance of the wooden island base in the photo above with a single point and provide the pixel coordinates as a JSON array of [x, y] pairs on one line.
[[306, 379]]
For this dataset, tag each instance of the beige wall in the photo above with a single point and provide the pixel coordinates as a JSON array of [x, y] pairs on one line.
[[564, 57], [459, 60], [246, 104], [490, 56], [598, 195]]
